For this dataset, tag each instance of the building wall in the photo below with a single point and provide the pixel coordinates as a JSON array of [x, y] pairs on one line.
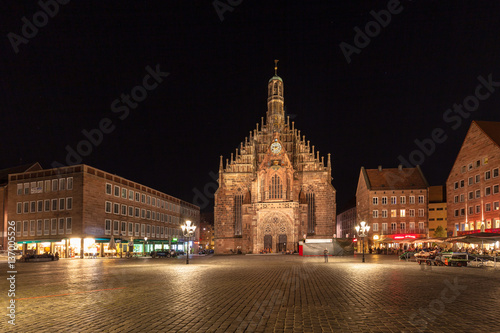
[[438, 216], [346, 222], [89, 196], [366, 206], [478, 156]]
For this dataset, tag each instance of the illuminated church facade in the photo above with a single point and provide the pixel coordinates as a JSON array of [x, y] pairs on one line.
[[275, 190]]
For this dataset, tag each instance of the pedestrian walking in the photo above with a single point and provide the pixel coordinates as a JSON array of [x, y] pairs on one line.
[[325, 253]]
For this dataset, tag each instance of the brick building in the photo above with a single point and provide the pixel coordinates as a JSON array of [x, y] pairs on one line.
[[438, 213], [473, 183], [346, 220], [275, 189], [76, 210], [4, 197], [394, 204]]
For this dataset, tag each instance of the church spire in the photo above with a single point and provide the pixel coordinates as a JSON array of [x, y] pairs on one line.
[[275, 102]]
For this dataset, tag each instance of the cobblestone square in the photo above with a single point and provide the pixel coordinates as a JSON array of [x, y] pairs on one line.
[[252, 293]]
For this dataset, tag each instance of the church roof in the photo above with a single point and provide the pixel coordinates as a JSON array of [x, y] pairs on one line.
[[395, 179], [275, 77]]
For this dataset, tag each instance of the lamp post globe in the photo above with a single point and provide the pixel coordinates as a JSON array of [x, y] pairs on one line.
[[362, 231], [188, 231]]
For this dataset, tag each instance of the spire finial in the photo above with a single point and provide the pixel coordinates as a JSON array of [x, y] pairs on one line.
[[276, 67]]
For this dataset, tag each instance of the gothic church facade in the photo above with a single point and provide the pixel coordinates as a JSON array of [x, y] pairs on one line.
[[275, 190]]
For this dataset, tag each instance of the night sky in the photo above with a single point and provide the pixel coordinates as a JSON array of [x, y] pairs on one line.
[[70, 75]]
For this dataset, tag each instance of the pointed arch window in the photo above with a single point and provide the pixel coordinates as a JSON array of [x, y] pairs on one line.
[[311, 213], [238, 202], [276, 188]]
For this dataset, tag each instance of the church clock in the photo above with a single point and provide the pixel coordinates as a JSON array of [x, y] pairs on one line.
[[275, 148]]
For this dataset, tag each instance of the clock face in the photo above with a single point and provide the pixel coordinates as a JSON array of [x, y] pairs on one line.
[[275, 148]]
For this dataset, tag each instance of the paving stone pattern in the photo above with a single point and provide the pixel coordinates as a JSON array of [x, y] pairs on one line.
[[266, 293]]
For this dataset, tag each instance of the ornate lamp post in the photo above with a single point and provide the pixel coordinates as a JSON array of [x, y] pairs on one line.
[[188, 231], [362, 232], [144, 246]]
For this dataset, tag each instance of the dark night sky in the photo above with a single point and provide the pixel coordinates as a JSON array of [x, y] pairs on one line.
[[366, 113]]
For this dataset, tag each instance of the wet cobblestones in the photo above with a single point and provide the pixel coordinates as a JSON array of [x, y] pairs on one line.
[[268, 293]]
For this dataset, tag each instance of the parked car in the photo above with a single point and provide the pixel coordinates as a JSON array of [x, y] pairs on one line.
[[481, 262]]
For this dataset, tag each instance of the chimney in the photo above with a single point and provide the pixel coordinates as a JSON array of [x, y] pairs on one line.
[[379, 168]]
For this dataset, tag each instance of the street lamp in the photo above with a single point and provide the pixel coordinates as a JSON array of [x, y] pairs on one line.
[[188, 231], [362, 232], [144, 246]]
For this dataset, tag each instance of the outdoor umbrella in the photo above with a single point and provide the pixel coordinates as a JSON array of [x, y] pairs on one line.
[[112, 245]]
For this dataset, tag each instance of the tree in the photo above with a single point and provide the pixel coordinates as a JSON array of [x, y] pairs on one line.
[[439, 232]]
